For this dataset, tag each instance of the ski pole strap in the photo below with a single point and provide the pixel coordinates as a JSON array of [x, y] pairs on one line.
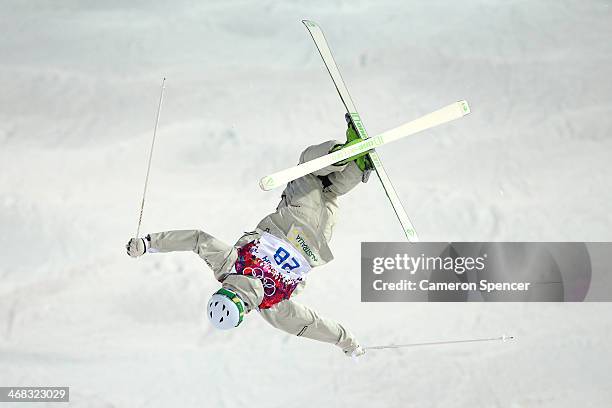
[[503, 338]]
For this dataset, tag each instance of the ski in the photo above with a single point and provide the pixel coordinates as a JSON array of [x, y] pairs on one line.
[[328, 59], [448, 113]]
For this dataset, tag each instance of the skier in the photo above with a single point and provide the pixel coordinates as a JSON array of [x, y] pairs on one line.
[[266, 267]]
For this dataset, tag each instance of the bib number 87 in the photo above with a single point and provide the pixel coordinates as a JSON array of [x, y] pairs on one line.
[[281, 256]]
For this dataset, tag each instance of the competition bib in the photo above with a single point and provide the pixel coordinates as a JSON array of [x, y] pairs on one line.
[[283, 256], [276, 263]]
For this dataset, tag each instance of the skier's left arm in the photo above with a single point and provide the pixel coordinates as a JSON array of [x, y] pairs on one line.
[[299, 320], [218, 256]]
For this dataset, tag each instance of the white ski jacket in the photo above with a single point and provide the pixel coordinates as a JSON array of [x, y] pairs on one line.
[[307, 213], [286, 315], [305, 218]]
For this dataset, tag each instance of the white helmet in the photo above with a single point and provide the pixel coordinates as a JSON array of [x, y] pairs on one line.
[[225, 309]]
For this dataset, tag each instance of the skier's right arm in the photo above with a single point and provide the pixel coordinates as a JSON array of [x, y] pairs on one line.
[[302, 321]]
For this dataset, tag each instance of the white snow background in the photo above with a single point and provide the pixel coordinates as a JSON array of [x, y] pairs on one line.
[[246, 92]]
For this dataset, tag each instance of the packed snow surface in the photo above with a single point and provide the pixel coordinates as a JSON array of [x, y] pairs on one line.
[[246, 92]]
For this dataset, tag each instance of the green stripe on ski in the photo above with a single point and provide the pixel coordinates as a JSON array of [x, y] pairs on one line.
[[359, 125], [433, 119]]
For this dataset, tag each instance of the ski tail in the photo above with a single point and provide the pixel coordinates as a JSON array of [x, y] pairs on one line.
[[332, 68]]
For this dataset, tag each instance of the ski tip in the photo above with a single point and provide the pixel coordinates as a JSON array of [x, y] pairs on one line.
[[309, 23], [266, 183], [465, 107]]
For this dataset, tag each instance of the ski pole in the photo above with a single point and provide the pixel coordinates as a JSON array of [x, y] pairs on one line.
[[144, 193], [503, 338]]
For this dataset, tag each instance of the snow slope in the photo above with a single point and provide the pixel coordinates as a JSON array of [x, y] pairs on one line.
[[246, 91]]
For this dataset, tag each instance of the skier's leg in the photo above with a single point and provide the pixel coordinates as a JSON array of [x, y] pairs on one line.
[[344, 181], [337, 179], [316, 151]]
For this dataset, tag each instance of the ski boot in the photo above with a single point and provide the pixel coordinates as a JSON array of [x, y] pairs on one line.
[[362, 160]]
